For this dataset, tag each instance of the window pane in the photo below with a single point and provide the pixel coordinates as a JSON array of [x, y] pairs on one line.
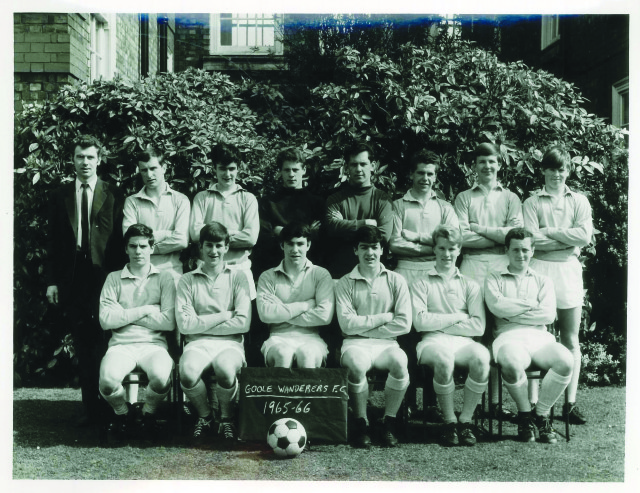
[[225, 29], [247, 30]]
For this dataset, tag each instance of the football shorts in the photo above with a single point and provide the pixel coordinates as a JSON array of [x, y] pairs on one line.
[[371, 347], [478, 267], [142, 355], [532, 340], [451, 343], [567, 280], [211, 348], [294, 341], [414, 271]]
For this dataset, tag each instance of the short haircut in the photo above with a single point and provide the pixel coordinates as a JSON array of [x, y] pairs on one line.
[[214, 232], [556, 158], [448, 233], [295, 229], [487, 149], [368, 234], [138, 230], [289, 154], [150, 152], [357, 148], [518, 234], [423, 157], [224, 154], [86, 141]]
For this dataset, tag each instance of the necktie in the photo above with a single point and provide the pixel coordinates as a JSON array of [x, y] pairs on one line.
[[84, 219]]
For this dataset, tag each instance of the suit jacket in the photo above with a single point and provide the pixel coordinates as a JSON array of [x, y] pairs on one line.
[[107, 250]]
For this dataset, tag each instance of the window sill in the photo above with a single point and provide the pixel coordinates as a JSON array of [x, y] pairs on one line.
[[243, 62]]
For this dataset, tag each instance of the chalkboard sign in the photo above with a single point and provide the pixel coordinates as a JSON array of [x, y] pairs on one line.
[[315, 397]]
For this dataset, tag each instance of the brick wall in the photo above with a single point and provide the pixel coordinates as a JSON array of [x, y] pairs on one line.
[[128, 46], [191, 40], [80, 45], [153, 44], [53, 49], [48, 53]]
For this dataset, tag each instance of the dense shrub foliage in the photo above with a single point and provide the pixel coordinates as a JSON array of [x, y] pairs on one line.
[[184, 114], [448, 97], [445, 96]]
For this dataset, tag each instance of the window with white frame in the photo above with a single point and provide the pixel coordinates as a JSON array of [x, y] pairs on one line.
[[449, 23], [550, 30], [245, 34], [620, 103], [103, 46]]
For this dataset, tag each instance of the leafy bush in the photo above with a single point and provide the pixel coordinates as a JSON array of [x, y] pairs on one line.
[[447, 96], [184, 114], [599, 367]]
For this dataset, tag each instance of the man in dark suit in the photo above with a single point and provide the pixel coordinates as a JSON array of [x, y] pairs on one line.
[[84, 244]]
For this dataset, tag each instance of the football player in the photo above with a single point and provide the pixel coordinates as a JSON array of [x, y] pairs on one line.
[[373, 308]]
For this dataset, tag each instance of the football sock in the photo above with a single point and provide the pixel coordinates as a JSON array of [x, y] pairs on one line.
[[116, 400], [198, 397], [394, 391], [534, 387], [152, 399], [225, 398], [444, 394], [573, 384], [522, 415], [519, 393], [472, 394], [552, 387], [358, 395]]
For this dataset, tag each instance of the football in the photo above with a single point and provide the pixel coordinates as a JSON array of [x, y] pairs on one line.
[[287, 437]]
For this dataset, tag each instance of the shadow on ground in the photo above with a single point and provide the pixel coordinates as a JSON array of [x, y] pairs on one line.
[[46, 423]]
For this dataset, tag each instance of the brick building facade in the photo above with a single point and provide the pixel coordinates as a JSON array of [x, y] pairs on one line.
[[192, 40], [54, 49]]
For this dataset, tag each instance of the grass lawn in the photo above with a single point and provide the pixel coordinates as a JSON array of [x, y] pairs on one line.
[[46, 445]]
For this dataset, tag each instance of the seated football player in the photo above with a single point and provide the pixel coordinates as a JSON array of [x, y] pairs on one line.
[[523, 303], [213, 311], [415, 216], [137, 306], [295, 299], [486, 212], [448, 310], [373, 308]]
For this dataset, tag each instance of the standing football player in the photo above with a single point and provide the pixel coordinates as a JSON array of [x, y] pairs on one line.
[[560, 220], [231, 205], [162, 209], [292, 202], [356, 204]]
